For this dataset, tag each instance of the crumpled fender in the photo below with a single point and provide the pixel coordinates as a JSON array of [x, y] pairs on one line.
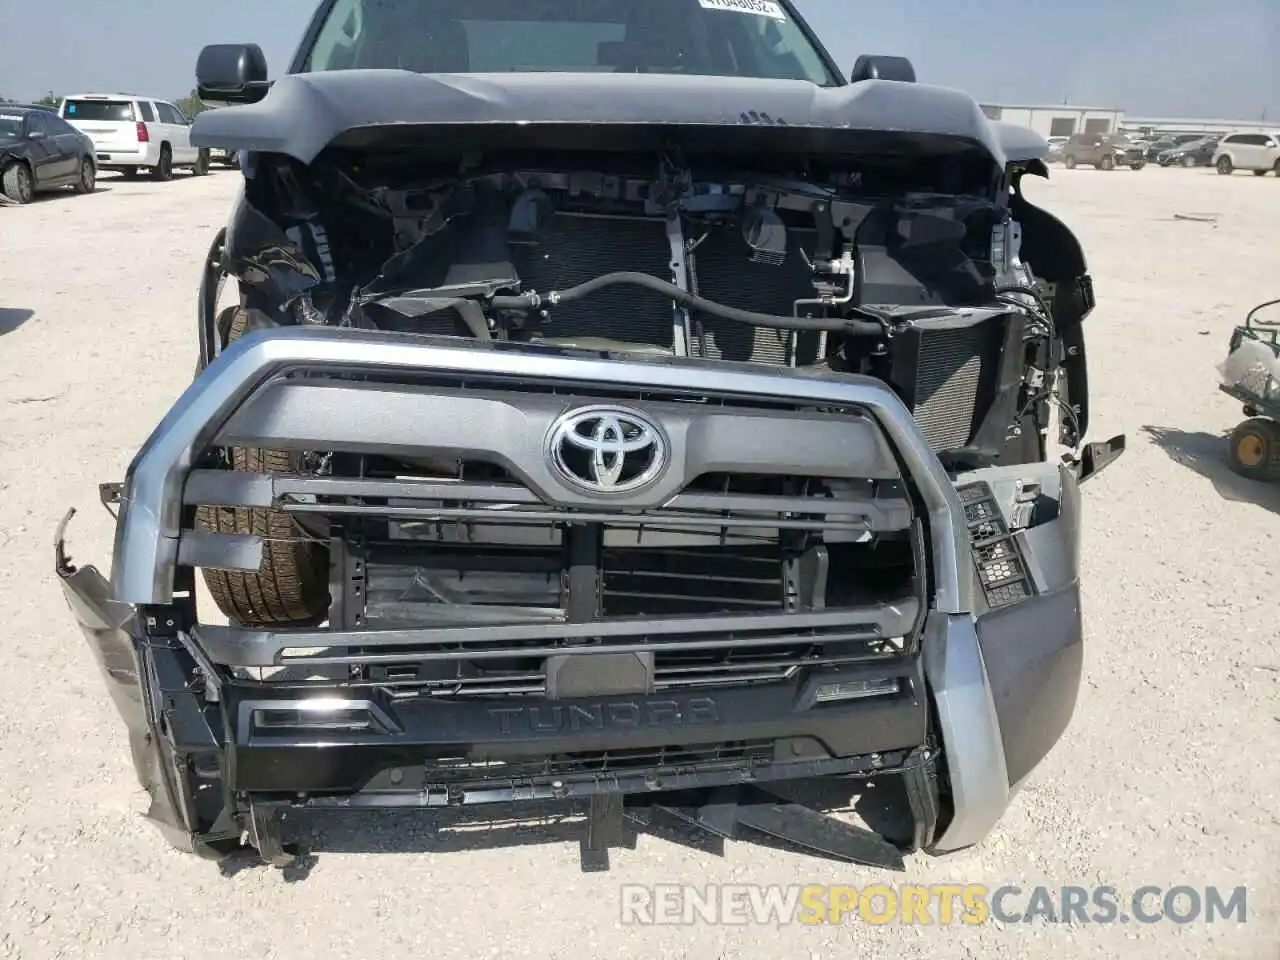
[[108, 626]]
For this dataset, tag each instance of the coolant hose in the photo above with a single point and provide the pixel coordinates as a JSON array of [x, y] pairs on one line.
[[532, 301]]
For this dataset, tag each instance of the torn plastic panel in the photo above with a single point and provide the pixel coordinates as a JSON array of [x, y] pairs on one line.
[[1253, 367], [264, 256]]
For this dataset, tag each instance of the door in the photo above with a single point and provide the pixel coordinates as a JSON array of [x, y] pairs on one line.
[[42, 151], [69, 146], [1270, 153], [177, 130], [112, 125], [1249, 152], [1093, 147]]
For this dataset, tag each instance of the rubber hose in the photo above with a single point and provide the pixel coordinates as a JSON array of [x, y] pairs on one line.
[[531, 301]]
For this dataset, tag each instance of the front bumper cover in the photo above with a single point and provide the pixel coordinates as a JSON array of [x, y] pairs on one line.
[[993, 689]]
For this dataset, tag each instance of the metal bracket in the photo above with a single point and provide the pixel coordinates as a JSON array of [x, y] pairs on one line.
[[606, 827], [786, 819], [111, 495], [1096, 457], [920, 774], [767, 810], [265, 835], [719, 815]]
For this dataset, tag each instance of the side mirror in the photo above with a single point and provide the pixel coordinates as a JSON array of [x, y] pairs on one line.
[[231, 73], [876, 67]]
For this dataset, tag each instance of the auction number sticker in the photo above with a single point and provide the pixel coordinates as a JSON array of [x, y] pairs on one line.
[[760, 8]]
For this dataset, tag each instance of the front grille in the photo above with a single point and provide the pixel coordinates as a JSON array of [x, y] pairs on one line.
[[508, 657], [662, 582], [454, 576]]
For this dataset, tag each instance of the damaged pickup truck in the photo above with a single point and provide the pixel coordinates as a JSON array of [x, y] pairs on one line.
[[621, 407]]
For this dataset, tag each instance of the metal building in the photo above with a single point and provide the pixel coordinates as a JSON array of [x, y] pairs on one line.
[[1159, 126], [1057, 120]]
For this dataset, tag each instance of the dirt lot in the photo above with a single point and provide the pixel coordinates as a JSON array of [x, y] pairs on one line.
[[1168, 775]]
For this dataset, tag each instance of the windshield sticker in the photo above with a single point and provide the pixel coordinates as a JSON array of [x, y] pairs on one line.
[[759, 8], [11, 116]]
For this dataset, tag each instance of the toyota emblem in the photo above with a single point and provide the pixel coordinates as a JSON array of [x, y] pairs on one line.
[[607, 450]]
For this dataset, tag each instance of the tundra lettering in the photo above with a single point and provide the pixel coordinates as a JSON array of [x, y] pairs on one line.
[[613, 715]]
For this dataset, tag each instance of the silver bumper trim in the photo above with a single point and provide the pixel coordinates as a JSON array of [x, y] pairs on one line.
[[970, 728]]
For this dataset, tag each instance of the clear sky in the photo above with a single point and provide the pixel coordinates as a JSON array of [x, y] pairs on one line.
[[1190, 58]]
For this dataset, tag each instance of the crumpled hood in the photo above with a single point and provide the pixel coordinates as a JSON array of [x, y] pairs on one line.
[[304, 113]]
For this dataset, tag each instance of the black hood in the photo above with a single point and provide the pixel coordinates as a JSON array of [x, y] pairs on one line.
[[304, 113]]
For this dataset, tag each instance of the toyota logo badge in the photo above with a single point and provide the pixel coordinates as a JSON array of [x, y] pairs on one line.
[[607, 450]]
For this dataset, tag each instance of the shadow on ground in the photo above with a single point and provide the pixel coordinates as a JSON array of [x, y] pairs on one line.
[[880, 804], [11, 318], [53, 196], [1206, 454]]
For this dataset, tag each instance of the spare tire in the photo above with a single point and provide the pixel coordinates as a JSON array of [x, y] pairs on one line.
[[291, 588]]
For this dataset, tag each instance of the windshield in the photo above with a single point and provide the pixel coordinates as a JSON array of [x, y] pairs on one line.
[[731, 38], [10, 127]]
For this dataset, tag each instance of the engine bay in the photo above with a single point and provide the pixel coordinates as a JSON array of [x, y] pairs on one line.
[[892, 277]]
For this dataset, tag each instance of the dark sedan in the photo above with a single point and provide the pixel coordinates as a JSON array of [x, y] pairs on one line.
[[1157, 147], [40, 151], [1195, 153]]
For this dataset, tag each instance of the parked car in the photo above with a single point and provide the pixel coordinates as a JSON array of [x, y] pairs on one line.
[[607, 580], [39, 152], [225, 157], [1159, 146], [1055, 148], [1258, 152], [131, 134], [1193, 153], [1106, 151]]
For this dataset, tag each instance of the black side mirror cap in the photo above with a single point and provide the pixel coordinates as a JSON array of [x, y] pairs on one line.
[[877, 67], [231, 73]]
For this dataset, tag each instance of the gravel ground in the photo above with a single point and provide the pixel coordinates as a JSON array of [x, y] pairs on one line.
[[1168, 774]]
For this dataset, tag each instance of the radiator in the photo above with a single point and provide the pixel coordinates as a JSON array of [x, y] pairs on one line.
[[577, 248], [723, 271]]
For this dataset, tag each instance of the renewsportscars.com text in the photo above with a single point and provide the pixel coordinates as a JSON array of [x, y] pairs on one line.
[[928, 904]]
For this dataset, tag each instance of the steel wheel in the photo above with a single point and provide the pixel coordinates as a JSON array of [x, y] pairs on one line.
[[164, 169], [1254, 449]]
